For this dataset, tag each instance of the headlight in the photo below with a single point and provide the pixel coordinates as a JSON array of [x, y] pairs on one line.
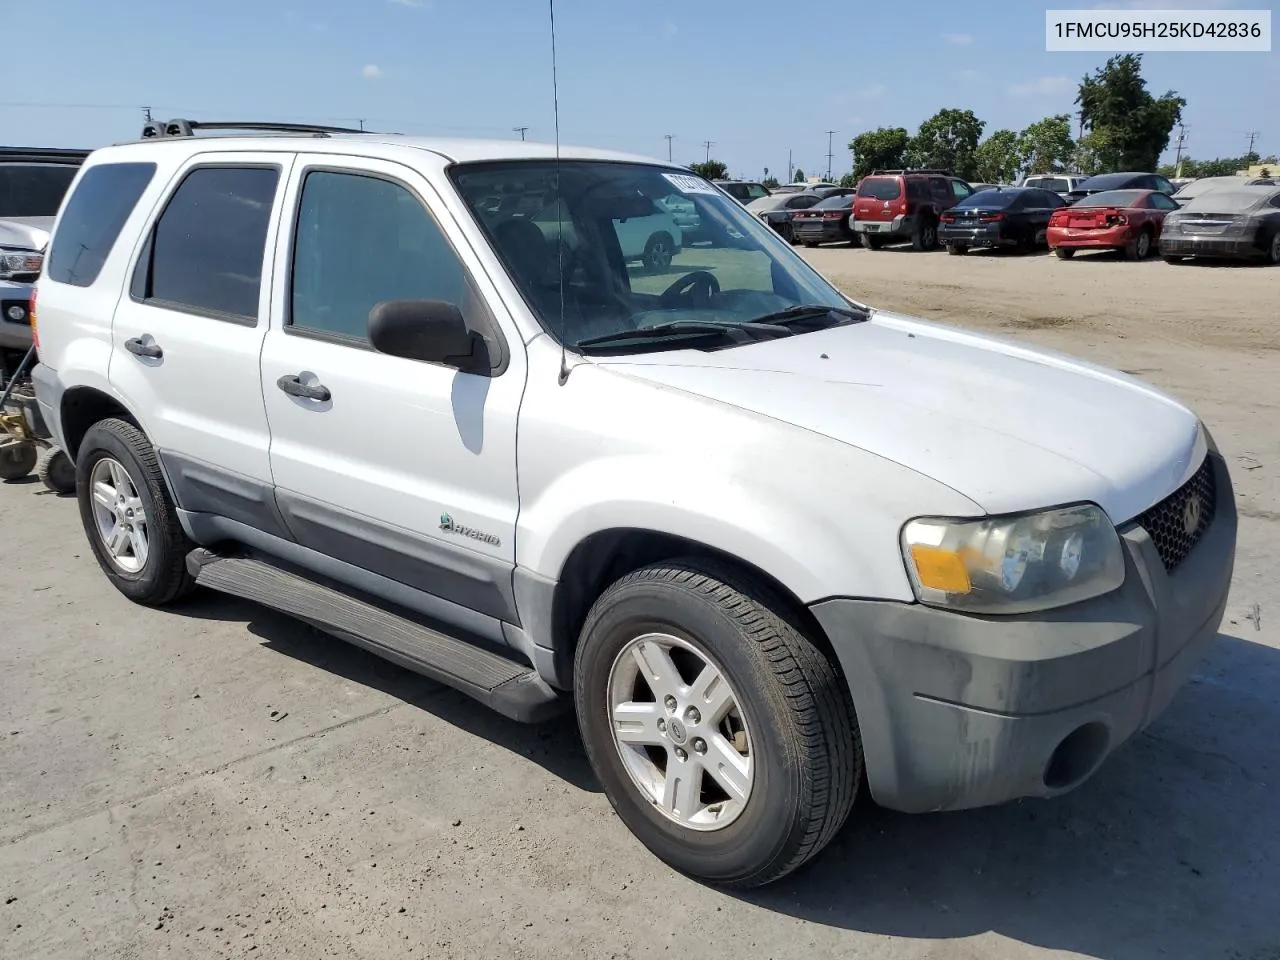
[[19, 263], [1014, 564]]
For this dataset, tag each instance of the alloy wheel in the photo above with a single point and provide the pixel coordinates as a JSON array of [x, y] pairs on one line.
[[120, 519]]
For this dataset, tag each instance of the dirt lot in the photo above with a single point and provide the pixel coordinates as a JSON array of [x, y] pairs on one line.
[[222, 782]]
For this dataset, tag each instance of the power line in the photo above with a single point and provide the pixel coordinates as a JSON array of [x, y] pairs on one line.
[[520, 130]]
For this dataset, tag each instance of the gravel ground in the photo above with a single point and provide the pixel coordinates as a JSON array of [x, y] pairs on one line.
[[219, 781]]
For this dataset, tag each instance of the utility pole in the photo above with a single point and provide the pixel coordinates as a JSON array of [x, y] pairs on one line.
[[1252, 137], [361, 122], [708, 144], [520, 130], [1182, 139], [146, 114], [830, 134], [669, 137], [790, 168]]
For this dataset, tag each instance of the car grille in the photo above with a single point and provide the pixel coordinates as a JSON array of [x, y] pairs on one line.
[[1177, 522]]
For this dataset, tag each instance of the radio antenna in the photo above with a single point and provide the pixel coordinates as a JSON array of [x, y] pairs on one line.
[[555, 102]]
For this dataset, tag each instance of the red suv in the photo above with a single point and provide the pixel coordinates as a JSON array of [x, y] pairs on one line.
[[894, 206]]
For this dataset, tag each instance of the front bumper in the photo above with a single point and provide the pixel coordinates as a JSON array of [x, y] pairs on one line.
[[962, 711], [1208, 246], [819, 231], [48, 389], [14, 335], [1112, 238]]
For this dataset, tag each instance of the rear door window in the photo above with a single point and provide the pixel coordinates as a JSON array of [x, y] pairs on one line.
[[960, 189], [880, 188], [93, 219], [206, 250]]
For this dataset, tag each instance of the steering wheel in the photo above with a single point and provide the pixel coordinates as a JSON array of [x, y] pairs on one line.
[[693, 289]]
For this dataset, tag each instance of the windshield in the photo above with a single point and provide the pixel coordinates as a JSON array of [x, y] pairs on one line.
[[1056, 184], [839, 202], [989, 199], [1231, 200], [1113, 198], [33, 189], [1104, 181], [597, 233], [879, 188], [1197, 187]]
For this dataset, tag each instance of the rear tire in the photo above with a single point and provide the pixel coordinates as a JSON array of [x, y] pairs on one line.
[[798, 753], [1273, 251], [810, 244], [926, 236], [1140, 248], [1065, 253], [161, 576]]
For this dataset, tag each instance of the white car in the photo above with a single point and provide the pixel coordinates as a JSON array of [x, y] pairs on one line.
[[770, 542]]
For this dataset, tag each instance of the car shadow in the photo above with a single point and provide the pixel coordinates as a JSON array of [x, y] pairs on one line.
[[553, 744], [1111, 256], [1169, 851]]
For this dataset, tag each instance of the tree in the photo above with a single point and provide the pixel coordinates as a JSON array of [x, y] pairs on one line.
[[848, 180], [770, 183], [947, 141], [1093, 153], [1046, 145], [1134, 125], [882, 148], [799, 177], [711, 169], [996, 159]]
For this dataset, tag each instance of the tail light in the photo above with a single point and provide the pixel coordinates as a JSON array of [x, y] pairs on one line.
[[31, 316], [990, 217], [1058, 218], [948, 218], [1114, 218], [832, 215]]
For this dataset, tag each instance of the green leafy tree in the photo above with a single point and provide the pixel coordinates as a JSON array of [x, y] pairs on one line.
[[996, 159], [1046, 146], [799, 177], [770, 183], [848, 180], [1094, 153], [947, 141], [1134, 126], [711, 169], [883, 148]]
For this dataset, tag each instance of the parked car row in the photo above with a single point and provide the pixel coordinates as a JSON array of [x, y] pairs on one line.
[[1233, 217]]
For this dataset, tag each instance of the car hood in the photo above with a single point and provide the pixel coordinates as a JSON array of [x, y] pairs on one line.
[[1010, 427], [31, 233]]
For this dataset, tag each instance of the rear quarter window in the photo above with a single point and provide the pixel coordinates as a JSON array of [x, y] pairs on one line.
[[93, 219], [880, 188], [33, 189]]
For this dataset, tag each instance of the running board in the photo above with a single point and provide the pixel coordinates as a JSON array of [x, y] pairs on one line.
[[510, 688]]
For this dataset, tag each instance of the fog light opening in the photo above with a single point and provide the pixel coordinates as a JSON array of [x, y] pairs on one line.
[[1077, 756]]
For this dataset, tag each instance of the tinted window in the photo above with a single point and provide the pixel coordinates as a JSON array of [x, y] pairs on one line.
[[1107, 181], [362, 240], [835, 203], [1162, 202], [880, 188], [1059, 184], [33, 189], [1114, 198], [208, 245], [754, 191], [803, 202], [94, 216], [1161, 184], [960, 189], [988, 200]]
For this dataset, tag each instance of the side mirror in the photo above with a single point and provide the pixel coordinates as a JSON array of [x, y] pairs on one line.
[[428, 330]]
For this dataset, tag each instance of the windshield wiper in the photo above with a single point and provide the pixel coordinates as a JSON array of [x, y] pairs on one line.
[[753, 328], [809, 311]]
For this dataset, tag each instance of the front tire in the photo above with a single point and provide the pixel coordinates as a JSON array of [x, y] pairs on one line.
[[659, 251], [128, 516], [1273, 251], [1141, 246], [723, 737]]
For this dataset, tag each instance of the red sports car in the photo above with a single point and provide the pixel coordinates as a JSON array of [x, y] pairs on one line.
[[1128, 220]]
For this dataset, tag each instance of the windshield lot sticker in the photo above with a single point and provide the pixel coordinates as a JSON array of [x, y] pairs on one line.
[[686, 184]]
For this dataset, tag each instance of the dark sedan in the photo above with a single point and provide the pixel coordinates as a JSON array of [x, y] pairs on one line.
[[1014, 217], [1234, 222], [825, 222], [1120, 181], [777, 210]]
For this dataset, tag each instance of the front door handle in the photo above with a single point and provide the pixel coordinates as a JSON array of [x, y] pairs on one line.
[[294, 387], [144, 348]]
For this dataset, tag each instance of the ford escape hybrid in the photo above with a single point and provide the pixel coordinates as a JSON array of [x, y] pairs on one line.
[[769, 542]]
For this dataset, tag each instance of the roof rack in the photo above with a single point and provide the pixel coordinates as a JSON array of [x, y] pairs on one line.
[[187, 128], [939, 173], [43, 154]]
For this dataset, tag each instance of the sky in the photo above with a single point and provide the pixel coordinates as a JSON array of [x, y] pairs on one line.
[[762, 80]]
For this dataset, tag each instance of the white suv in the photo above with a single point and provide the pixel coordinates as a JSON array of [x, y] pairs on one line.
[[772, 543]]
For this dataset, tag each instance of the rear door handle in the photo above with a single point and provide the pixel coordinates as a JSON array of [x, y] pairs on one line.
[[294, 387], [144, 348]]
